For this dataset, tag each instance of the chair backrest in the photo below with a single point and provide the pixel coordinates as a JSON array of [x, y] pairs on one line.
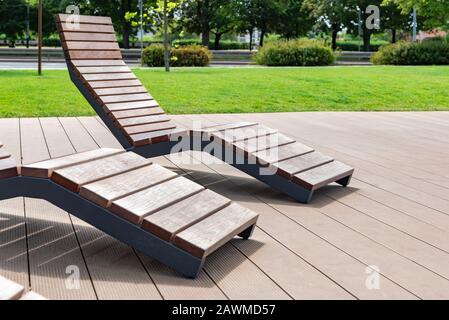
[[97, 68]]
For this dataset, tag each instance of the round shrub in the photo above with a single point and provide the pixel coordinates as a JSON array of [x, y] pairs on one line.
[[188, 56], [302, 52], [430, 52]]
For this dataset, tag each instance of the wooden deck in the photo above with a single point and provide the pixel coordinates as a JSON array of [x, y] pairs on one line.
[[395, 216]]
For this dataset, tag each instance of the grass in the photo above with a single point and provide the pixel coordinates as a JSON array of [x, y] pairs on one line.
[[239, 90]]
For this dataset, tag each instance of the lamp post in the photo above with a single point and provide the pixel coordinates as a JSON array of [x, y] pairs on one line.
[[39, 31], [166, 44], [141, 27], [415, 24]]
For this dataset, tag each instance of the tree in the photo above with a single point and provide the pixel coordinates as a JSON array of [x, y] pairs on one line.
[[434, 12], [13, 19], [393, 19], [331, 15], [295, 20]]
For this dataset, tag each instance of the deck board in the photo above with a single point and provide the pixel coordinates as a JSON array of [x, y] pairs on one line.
[[394, 215]]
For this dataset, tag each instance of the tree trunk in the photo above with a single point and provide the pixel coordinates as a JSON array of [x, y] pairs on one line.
[[366, 40], [166, 40], [262, 37], [334, 39], [393, 35], [205, 37], [217, 41], [251, 35], [125, 6]]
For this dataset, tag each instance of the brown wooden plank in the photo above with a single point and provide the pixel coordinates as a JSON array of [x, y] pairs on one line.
[[291, 167], [8, 168], [282, 153], [210, 234], [82, 36], [93, 46], [4, 154], [229, 126], [321, 176], [109, 76], [111, 107], [126, 98], [83, 19], [115, 84], [141, 204], [74, 177], [97, 63], [182, 215], [142, 120], [105, 69], [135, 113], [86, 27], [263, 143], [152, 127], [89, 55], [240, 134], [45, 169], [142, 139], [105, 191], [119, 91]]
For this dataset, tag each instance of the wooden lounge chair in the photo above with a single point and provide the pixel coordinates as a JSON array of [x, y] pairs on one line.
[[10, 290], [138, 122], [163, 215]]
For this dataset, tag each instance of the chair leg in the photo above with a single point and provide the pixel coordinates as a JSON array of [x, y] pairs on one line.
[[345, 181], [247, 233]]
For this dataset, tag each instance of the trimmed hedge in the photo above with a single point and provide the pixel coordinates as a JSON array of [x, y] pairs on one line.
[[428, 52], [188, 56], [303, 52], [224, 44]]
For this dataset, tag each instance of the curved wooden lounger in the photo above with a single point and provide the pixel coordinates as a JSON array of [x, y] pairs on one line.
[[165, 216], [96, 67], [10, 290]]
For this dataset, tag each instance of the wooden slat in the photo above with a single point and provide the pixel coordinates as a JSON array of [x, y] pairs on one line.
[[119, 91], [82, 36], [76, 176], [152, 127], [263, 143], [241, 134], [10, 290], [97, 63], [135, 113], [126, 98], [92, 55], [105, 69], [4, 154], [109, 76], [141, 204], [45, 169], [229, 126], [142, 120], [111, 107], [105, 191], [115, 84], [321, 176], [83, 19], [86, 27], [291, 167], [282, 153], [142, 139], [31, 296], [208, 235], [8, 168], [180, 216], [93, 46]]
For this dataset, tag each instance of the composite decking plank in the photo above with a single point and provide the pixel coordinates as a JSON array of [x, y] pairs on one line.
[[87, 45], [151, 127], [74, 177], [89, 55], [168, 222], [86, 36], [77, 134], [9, 290], [129, 115], [109, 76], [120, 91], [32, 296], [97, 63], [122, 106], [8, 168], [282, 153], [128, 122], [105, 191], [114, 84], [46, 168], [304, 164], [100, 134], [263, 143], [240, 134], [322, 175], [105, 69], [209, 234], [4, 154], [57, 142], [126, 98], [34, 148], [141, 204]]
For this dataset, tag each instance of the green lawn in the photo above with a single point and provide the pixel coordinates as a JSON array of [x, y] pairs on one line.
[[232, 90]]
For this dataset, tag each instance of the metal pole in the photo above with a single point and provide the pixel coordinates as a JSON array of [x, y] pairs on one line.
[[359, 13], [141, 27], [415, 24], [39, 51], [166, 44]]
